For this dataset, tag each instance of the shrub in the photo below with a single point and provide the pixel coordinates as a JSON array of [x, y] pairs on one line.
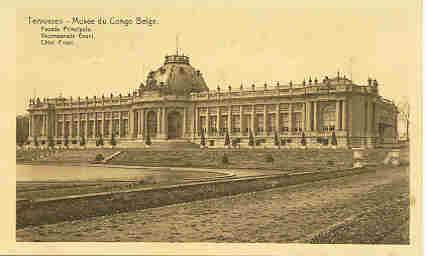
[[148, 139], [99, 157], [235, 142], [66, 141], [82, 141], [325, 141], [74, 142], [303, 140], [113, 141], [334, 139], [202, 138], [227, 139], [276, 139], [36, 142], [283, 141], [251, 141], [224, 159], [269, 158]]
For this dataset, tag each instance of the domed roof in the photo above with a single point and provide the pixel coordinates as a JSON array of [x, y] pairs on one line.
[[176, 76]]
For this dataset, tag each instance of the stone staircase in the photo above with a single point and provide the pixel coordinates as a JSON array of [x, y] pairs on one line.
[[177, 144]]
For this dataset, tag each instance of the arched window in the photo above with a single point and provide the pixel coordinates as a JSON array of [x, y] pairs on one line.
[[327, 122]]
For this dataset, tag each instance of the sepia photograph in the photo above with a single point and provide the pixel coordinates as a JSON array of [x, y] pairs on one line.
[[282, 124]]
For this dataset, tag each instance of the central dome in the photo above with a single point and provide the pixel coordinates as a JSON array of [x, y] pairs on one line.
[[176, 76]]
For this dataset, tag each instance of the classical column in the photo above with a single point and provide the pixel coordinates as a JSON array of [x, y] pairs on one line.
[[102, 123], [265, 120], [30, 126], [218, 120], [315, 116], [63, 125], [131, 120], [308, 116], [111, 123], [337, 115], [78, 126], [253, 120], [207, 121], [368, 118], [229, 120], [43, 125], [94, 125], [344, 115], [87, 125], [241, 119], [184, 123], [277, 118], [164, 122], [290, 124], [120, 124], [197, 118], [141, 122], [159, 112]]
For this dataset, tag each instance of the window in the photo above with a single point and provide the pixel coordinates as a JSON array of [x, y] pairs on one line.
[[235, 123], [90, 125], [106, 127], [74, 129], [297, 117], [259, 123], [271, 123], [59, 129], [284, 121], [327, 122]]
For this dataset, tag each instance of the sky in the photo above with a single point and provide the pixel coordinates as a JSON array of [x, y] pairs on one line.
[[229, 44]]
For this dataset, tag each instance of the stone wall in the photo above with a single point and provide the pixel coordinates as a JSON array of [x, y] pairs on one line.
[[54, 210]]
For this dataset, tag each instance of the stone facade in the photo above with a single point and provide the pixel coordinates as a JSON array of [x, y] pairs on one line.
[[176, 104]]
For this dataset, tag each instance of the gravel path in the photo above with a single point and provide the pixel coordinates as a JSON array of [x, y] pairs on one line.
[[291, 214]]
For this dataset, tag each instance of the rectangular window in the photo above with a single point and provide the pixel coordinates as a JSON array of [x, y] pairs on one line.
[[116, 127], [74, 129], [82, 128], [259, 122], [235, 123], [298, 121], [106, 128], [67, 129], [284, 121], [202, 125], [271, 123], [98, 128], [59, 129], [90, 126]]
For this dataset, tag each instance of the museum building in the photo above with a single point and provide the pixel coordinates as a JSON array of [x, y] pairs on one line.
[[175, 104]]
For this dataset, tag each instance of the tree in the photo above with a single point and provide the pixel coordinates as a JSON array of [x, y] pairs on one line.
[[227, 139], [50, 143], [303, 140], [82, 141], [66, 141], [251, 139], [224, 159], [113, 141], [101, 141], [148, 139], [334, 139], [202, 139], [276, 139]]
